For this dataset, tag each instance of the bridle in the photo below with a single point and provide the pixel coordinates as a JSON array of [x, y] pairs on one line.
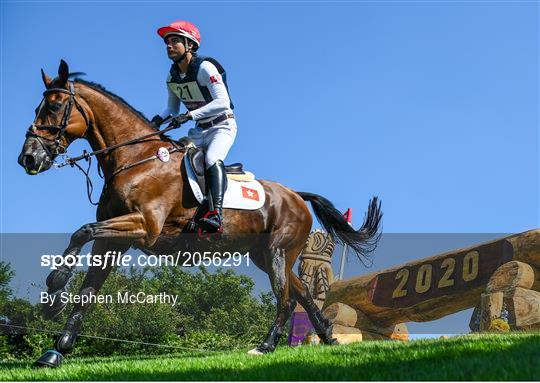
[[60, 135]]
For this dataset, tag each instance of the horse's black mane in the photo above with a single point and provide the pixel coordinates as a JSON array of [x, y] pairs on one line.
[[101, 88]]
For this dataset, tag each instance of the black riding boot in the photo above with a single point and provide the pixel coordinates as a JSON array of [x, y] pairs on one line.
[[217, 184]]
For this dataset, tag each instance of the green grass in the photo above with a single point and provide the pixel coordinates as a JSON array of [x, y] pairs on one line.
[[468, 357]]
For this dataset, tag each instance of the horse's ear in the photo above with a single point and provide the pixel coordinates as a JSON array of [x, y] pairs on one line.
[[63, 72], [46, 79]]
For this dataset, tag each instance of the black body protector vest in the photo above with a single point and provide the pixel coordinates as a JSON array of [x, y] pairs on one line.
[[188, 89]]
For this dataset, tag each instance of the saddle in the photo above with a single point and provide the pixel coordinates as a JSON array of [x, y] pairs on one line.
[[195, 156], [243, 191]]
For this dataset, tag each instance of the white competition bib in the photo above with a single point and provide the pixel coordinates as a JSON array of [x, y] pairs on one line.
[[187, 92]]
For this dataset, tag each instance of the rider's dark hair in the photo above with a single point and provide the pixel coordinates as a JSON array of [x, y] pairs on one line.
[[194, 45]]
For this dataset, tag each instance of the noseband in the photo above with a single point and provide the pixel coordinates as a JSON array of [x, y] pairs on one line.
[[60, 128]]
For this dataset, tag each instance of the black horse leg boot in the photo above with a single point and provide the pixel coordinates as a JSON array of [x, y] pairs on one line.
[[217, 184]]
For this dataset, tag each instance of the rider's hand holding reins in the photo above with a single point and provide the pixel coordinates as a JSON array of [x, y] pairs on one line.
[[157, 121], [181, 119]]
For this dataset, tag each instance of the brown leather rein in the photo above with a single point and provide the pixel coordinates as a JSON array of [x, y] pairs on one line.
[[72, 161]]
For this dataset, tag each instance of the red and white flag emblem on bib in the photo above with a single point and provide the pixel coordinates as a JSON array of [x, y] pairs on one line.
[[250, 193]]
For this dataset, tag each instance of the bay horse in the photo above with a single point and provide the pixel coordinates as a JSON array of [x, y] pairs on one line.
[[145, 204]]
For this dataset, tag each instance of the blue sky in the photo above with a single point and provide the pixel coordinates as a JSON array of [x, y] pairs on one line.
[[432, 106]]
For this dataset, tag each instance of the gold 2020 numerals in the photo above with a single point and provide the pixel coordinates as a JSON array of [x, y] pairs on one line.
[[425, 274]]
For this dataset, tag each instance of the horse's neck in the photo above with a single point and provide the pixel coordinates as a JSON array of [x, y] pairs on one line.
[[112, 123]]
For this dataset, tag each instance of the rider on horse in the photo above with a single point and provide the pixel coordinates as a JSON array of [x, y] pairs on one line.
[[200, 84]]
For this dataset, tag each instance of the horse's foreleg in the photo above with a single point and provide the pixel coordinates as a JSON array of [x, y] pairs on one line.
[[93, 281], [126, 229]]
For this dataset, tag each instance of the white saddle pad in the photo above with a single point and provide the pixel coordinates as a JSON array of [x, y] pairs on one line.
[[239, 195]]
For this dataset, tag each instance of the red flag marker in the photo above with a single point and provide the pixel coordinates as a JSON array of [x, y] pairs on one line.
[[348, 217]]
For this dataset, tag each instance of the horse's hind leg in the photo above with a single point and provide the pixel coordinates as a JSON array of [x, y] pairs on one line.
[[279, 274], [321, 324], [94, 279]]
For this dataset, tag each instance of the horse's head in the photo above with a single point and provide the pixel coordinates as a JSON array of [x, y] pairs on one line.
[[60, 119]]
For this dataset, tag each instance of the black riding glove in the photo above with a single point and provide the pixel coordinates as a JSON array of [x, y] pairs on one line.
[[181, 119], [156, 121]]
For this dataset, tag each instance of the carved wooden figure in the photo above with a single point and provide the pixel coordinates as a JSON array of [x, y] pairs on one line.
[[315, 268], [315, 272]]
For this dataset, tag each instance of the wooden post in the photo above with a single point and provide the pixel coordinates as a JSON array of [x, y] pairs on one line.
[[474, 323], [348, 217], [491, 308], [511, 275], [346, 320], [524, 309]]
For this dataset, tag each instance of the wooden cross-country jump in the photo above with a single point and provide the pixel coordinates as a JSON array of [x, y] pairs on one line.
[[490, 276]]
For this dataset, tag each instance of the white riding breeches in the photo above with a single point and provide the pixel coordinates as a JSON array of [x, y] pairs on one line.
[[215, 141]]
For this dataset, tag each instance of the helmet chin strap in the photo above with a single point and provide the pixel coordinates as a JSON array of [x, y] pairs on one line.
[[186, 50]]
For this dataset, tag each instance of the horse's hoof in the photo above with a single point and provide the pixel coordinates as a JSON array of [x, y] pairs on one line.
[[51, 311], [330, 341], [256, 351], [65, 342], [333, 342], [51, 358], [58, 279], [264, 348]]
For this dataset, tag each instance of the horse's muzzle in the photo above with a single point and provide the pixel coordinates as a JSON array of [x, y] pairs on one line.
[[33, 158]]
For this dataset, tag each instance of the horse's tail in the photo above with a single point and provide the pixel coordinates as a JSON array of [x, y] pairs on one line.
[[364, 241]]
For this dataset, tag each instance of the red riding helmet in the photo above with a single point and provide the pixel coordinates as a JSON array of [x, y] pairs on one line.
[[182, 28]]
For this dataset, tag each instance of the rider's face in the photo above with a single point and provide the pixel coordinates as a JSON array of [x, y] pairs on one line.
[[175, 46]]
